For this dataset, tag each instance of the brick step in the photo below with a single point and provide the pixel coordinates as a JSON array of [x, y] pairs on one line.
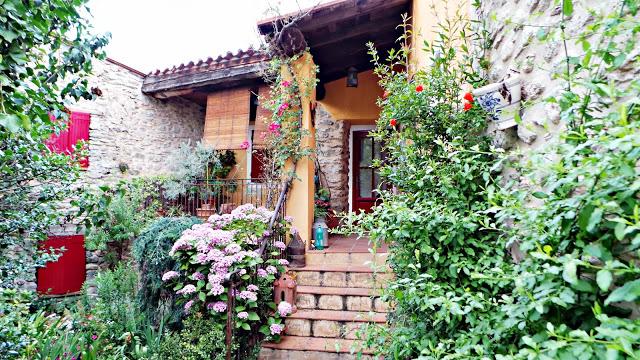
[[345, 276], [307, 348], [337, 298], [315, 257], [330, 323]]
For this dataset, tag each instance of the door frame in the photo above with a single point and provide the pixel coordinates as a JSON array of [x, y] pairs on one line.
[[351, 130]]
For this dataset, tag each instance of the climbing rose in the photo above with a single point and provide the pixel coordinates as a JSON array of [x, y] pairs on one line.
[[393, 122], [244, 145], [276, 329], [243, 315], [286, 83], [469, 97], [385, 95], [467, 106], [274, 128], [284, 308], [419, 88], [169, 275]]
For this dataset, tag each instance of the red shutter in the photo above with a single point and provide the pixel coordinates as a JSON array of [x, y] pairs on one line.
[[79, 130], [68, 273], [59, 143]]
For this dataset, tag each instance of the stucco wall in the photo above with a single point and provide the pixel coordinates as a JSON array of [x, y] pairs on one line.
[[133, 129]]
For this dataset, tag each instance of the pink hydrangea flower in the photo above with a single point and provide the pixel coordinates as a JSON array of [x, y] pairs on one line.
[[284, 308], [252, 288], [280, 245], [262, 273], [283, 262], [188, 289], [218, 306], [244, 145], [197, 276], [248, 295], [288, 219], [276, 329], [170, 275], [216, 289], [232, 248], [293, 230], [188, 305], [243, 315], [271, 269]]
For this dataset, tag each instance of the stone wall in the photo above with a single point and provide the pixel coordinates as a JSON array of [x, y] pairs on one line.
[[332, 148], [129, 130], [132, 130], [517, 50]]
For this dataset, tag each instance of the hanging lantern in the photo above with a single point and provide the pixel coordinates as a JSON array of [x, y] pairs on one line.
[[352, 77], [296, 252], [285, 289]]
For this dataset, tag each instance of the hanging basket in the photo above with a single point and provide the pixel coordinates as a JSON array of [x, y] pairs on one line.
[[501, 100]]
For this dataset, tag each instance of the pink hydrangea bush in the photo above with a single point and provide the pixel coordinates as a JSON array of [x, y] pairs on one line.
[[208, 253]]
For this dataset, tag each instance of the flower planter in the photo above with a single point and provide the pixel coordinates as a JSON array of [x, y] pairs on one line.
[[501, 100]]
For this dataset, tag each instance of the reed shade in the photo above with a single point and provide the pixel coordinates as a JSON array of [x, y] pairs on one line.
[[227, 119], [263, 118]]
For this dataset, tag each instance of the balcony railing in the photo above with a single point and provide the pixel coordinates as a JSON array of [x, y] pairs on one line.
[[207, 197]]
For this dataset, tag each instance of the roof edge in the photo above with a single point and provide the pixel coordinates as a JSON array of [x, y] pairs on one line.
[[126, 67]]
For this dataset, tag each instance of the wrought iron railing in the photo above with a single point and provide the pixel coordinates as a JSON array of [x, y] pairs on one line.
[[208, 197]]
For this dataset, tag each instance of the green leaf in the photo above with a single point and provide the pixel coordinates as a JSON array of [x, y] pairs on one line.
[[202, 296], [8, 35], [567, 7], [604, 279], [540, 195], [594, 219], [628, 292], [253, 316], [245, 326], [11, 122], [569, 274]]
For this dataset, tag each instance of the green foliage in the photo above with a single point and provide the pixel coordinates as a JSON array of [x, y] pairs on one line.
[[45, 56], [151, 253], [200, 339], [114, 216], [192, 164], [571, 208]]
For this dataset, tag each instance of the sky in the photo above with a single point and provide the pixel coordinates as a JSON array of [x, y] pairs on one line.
[[156, 34]]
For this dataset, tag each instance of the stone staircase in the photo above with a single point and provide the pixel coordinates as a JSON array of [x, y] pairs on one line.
[[338, 295]]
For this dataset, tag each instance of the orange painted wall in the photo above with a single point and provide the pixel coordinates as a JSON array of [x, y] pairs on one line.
[[357, 105]]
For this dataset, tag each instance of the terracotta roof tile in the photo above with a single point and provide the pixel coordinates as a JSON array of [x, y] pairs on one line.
[[241, 57]]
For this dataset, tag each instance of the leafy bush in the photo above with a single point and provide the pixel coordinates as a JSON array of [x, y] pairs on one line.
[[573, 212], [201, 338], [116, 215], [151, 253]]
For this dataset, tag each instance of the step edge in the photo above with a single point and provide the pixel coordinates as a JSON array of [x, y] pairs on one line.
[[345, 350]]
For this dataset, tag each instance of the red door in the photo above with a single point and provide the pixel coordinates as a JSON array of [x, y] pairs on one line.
[[366, 179], [68, 273]]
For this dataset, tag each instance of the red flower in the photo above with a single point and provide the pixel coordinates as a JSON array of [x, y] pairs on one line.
[[469, 97], [419, 88], [393, 122], [467, 106], [385, 95]]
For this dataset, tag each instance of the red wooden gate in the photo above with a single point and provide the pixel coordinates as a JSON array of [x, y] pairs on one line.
[[68, 273]]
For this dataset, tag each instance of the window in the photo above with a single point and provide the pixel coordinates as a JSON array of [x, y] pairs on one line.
[[68, 273], [255, 156], [77, 129]]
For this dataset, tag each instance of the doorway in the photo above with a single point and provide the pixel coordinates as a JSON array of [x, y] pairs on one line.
[[364, 178]]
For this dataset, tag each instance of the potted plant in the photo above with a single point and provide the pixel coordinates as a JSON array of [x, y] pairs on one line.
[[501, 100]]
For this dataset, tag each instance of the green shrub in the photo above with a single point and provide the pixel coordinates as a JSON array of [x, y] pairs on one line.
[[151, 253], [200, 339]]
